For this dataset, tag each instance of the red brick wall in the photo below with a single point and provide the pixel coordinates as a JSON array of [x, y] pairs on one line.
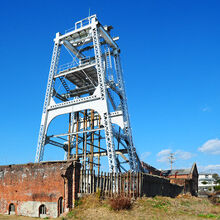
[[178, 181], [179, 176], [42, 182]]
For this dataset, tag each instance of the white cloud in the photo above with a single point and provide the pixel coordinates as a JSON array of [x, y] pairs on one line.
[[145, 155], [206, 109], [163, 155], [164, 152], [210, 168], [184, 155], [211, 146]]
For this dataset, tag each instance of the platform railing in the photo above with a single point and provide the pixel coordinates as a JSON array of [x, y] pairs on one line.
[[74, 64], [82, 23]]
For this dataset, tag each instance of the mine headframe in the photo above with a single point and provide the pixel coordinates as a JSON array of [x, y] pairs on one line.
[[90, 90]]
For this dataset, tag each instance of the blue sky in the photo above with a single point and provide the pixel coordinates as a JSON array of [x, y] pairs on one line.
[[171, 62]]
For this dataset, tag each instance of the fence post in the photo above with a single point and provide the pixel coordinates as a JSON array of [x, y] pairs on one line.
[[87, 187], [122, 184], [90, 180], [136, 184], [93, 182], [118, 185], [115, 184], [80, 182], [104, 183], [98, 180], [132, 184], [84, 181], [141, 186], [111, 174], [129, 174], [139, 180], [108, 185], [101, 185]]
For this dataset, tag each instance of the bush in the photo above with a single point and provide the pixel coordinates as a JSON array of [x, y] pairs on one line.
[[217, 188], [120, 202]]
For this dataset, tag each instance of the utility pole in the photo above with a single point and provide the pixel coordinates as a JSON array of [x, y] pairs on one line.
[[171, 159]]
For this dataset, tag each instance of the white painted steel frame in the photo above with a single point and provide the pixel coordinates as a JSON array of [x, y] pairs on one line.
[[98, 101]]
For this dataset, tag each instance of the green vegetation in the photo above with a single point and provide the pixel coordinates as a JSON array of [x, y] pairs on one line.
[[216, 176], [208, 215], [217, 188], [160, 204]]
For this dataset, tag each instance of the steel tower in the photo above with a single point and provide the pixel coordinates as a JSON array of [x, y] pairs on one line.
[[90, 90]]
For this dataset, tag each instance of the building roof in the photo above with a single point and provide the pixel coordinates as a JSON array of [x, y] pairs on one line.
[[148, 168], [179, 171]]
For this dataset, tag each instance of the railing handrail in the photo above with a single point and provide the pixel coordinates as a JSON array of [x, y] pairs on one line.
[[84, 60], [82, 23]]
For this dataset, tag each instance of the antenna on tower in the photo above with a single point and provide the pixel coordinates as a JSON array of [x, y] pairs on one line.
[[89, 12], [171, 159]]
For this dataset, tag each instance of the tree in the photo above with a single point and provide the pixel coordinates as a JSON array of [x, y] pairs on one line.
[[215, 176], [217, 188], [217, 181]]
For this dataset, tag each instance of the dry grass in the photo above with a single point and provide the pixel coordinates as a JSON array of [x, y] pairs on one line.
[[157, 208], [182, 208], [120, 203]]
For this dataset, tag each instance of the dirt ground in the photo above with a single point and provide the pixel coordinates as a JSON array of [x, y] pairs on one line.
[[157, 208]]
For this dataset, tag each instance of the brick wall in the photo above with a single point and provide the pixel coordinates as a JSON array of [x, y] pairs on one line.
[[28, 186]]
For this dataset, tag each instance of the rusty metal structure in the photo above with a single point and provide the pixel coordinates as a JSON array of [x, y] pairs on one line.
[[90, 90]]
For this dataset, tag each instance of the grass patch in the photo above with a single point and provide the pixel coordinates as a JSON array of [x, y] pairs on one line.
[[71, 214], [185, 203], [78, 202], [160, 203], [208, 216]]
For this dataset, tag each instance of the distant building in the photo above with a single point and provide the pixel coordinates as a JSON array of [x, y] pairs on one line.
[[206, 183], [184, 177]]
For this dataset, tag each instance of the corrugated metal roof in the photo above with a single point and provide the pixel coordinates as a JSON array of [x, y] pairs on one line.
[[177, 171]]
